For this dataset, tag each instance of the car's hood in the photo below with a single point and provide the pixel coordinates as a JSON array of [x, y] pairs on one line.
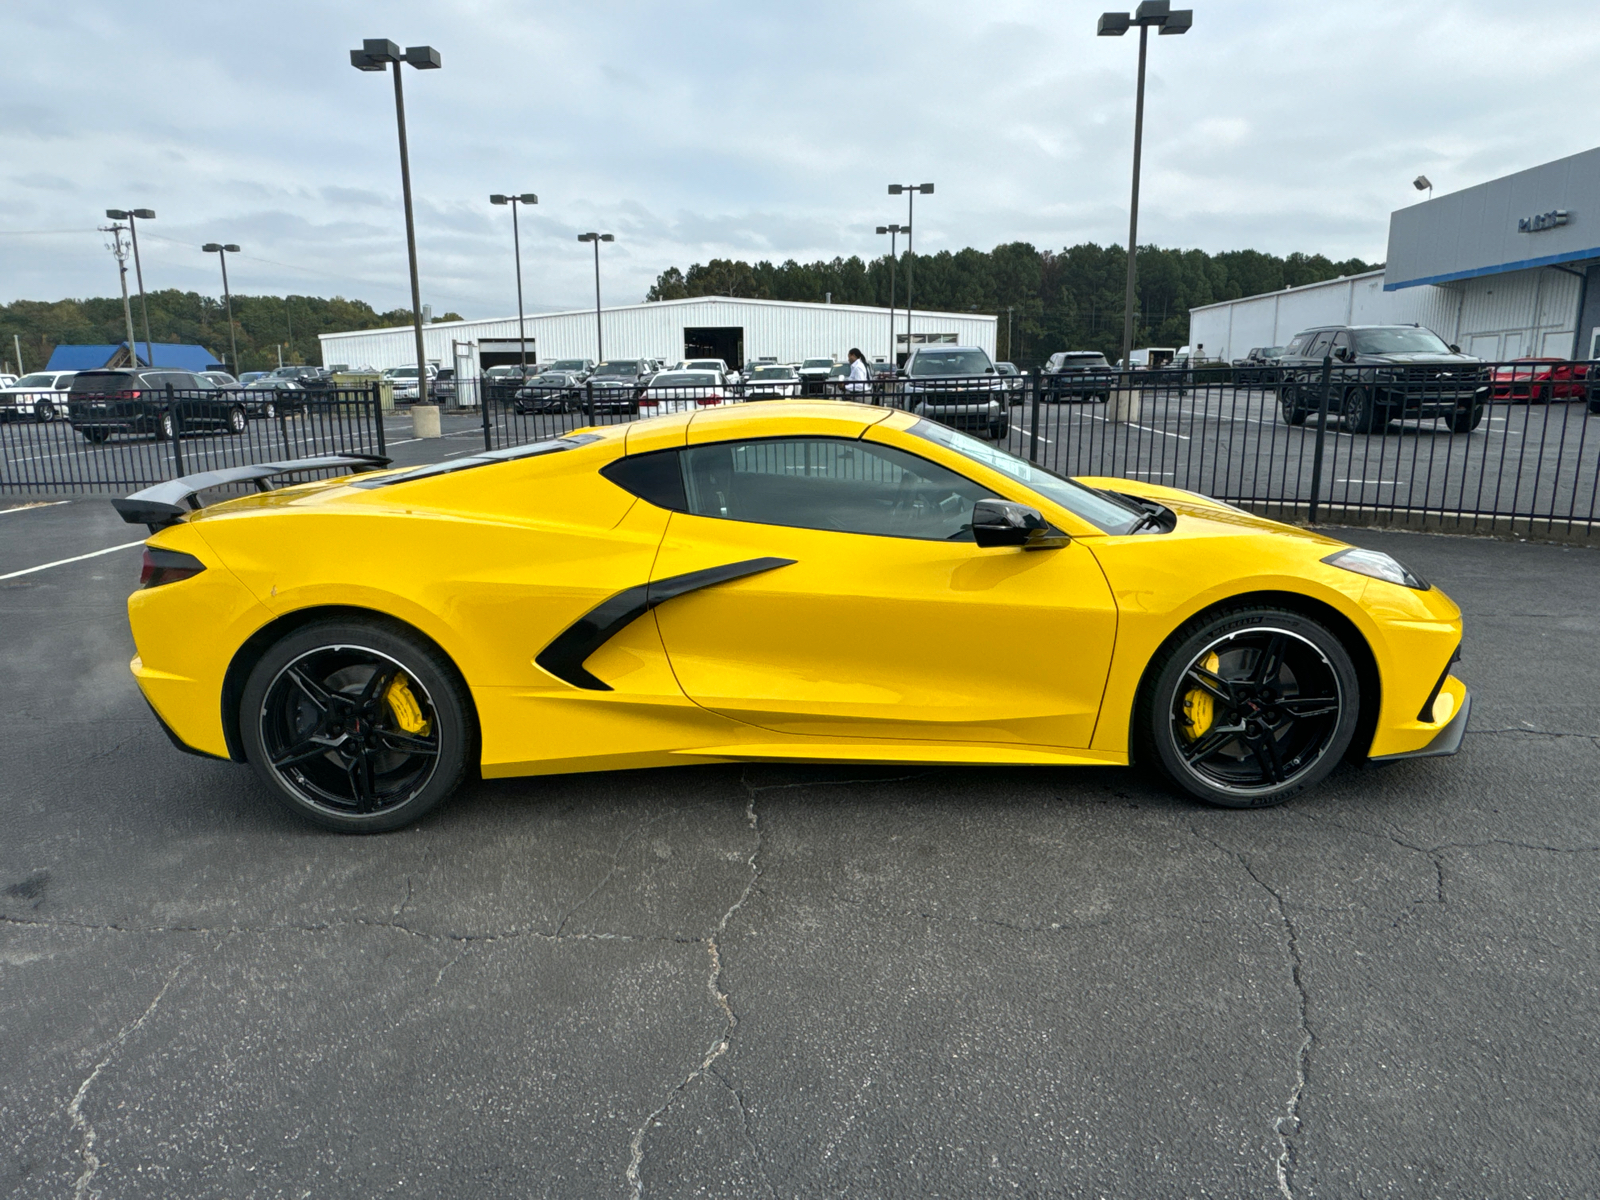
[[1201, 516], [1421, 359]]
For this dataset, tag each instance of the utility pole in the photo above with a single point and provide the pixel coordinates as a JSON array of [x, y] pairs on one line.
[[121, 252]]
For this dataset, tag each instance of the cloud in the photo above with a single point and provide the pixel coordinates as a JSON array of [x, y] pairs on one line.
[[717, 129]]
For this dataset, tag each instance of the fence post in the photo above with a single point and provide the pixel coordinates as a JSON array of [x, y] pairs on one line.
[[177, 433], [1033, 419], [376, 400], [1322, 430], [588, 400], [483, 409]]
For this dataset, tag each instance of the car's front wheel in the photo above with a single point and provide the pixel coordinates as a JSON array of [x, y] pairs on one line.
[[237, 420], [357, 726], [1245, 708], [1467, 419], [44, 411]]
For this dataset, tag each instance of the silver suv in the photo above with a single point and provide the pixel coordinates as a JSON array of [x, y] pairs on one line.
[[958, 386]]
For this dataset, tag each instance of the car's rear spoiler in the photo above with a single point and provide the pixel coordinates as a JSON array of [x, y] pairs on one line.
[[167, 503]]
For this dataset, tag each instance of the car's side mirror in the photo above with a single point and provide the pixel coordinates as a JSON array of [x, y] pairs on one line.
[[988, 370], [1454, 349], [1005, 523]]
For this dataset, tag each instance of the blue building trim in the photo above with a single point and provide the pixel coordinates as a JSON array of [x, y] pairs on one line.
[[1549, 260]]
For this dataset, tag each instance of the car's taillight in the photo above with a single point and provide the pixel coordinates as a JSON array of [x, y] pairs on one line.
[[167, 566], [648, 401], [714, 398]]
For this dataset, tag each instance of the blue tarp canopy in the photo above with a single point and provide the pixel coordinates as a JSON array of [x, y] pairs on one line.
[[161, 354]]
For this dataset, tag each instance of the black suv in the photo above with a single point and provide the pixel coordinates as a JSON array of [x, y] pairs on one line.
[[1380, 374], [138, 400], [1077, 375]]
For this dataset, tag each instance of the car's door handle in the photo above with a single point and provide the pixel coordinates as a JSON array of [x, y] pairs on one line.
[[565, 655]]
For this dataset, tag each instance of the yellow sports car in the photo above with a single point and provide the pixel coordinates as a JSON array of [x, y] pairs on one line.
[[802, 581]]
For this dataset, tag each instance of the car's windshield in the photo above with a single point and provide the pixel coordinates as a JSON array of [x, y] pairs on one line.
[[625, 367], [35, 381], [668, 379], [1403, 340], [1084, 360], [761, 373], [817, 364], [404, 373], [702, 364], [568, 364], [950, 362], [1074, 497]]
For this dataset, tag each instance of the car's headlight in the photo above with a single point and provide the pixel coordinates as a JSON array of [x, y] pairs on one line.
[[1377, 565]]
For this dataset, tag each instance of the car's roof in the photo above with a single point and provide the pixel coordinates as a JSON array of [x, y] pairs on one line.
[[945, 348]]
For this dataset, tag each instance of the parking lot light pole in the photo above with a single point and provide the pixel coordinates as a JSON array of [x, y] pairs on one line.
[[222, 253], [121, 252], [911, 190], [133, 216], [375, 55], [892, 230], [516, 247], [597, 238], [1156, 13]]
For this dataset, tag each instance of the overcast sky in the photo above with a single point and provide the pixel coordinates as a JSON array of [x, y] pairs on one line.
[[743, 129]]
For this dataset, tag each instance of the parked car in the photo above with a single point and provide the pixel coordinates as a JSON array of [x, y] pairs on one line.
[[1542, 379], [581, 367], [1015, 383], [814, 374], [684, 391], [41, 396], [129, 400], [1383, 373], [405, 382], [1151, 358], [1077, 375], [710, 364], [6, 380], [550, 391], [771, 383], [617, 382], [958, 386], [250, 377]]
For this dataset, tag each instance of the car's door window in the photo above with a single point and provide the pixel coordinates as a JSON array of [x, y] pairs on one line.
[[1341, 341], [836, 484], [1320, 344]]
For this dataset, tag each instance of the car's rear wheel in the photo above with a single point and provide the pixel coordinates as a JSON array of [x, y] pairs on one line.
[[44, 411], [1244, 709], [164, 427], [1293, 414], [237, 420], [95, 436], [358, 727]]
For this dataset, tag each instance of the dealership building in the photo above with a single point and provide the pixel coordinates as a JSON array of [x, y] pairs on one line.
[[1507, 269], [731, 329]]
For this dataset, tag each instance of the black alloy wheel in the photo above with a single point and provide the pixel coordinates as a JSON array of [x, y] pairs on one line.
[[358, 727], [1293, 414], [1359, 412], [1249, 708]]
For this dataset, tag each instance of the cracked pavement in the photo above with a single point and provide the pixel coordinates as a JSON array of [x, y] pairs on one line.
[[792, 982]]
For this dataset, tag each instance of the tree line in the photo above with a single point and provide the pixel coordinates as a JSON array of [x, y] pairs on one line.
[[264, 326], [1067, 300]]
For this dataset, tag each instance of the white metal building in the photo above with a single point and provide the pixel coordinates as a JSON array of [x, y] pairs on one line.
[[1501, 269], [700, 327]]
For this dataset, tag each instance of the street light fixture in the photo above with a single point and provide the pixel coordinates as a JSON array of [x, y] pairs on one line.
[[222, 253], [597, 238], [1157, 13], [375, 55], [516, 245], [132, 216], [1423, 184], [893, 230], [910, 190]]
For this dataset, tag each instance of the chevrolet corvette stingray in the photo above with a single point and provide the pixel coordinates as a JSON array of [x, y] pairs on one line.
[[800, 582]]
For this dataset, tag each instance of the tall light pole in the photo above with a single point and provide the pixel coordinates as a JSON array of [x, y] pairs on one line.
[[597, 238], [892, 230], [1158, 13], [375, 55], [516, 244], [911, 190], [132, 216], [121, 252], [1011, 350], [222, 253]]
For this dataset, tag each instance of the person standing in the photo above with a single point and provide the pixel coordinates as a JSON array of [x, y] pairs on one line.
[[859, 385]]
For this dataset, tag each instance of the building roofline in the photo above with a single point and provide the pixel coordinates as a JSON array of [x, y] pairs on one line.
[[1526, 264], [1304, 287], [655, 304]]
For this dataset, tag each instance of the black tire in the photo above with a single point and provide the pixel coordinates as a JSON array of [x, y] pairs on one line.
[[1359, 412], [1467, 419], [1262, 736], [44, 412], [237, 420], [269, 410], [999, 432], [324, 685], [95, 436], [1293, 414], [164, 427]]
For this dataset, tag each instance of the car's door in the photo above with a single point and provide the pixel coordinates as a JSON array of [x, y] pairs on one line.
[[866, 610]]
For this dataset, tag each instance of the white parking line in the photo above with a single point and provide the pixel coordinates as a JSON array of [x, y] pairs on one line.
[[35, 504], [61, 562], [1182, 437]]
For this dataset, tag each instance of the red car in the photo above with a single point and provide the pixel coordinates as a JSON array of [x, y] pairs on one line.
[[1532, 379]]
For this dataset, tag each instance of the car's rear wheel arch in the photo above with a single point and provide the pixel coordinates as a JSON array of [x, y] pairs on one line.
[[1324, 614], [258, 643]]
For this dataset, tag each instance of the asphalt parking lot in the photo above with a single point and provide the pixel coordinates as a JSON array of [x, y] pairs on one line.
[[801, 981]]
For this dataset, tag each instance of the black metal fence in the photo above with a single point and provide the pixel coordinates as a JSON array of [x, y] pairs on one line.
[[116, 444], [1491, 447]]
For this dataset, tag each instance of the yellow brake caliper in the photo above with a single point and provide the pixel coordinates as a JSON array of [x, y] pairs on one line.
[[407, 712], [1199, 707]]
